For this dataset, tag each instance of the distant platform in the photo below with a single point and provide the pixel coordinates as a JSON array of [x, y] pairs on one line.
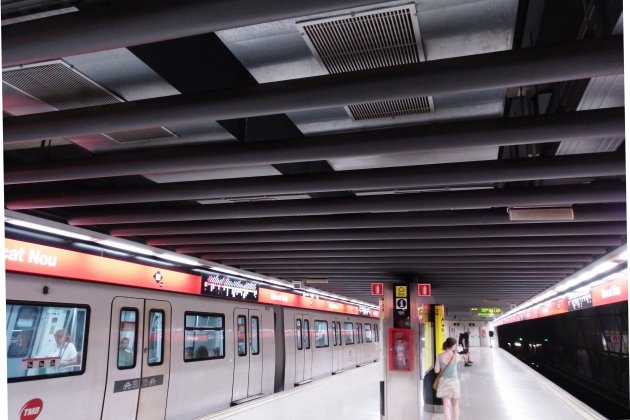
[[497, 386]]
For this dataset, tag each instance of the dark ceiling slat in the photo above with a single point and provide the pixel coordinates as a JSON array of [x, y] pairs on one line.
[[441, 137], [502, 69], [309, 269], [411, 264], [563, 241], [524, 230], [570, 253], [605, 192], [443, 175], [451, 261], [582, 213], [125, 24]]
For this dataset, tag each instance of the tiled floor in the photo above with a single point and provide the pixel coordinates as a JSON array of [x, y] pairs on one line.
[[496, 387]]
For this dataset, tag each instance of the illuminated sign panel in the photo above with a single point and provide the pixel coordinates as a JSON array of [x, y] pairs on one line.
[[611, 292], [580, 302], [486, 312], [220, 285], [25, 257]]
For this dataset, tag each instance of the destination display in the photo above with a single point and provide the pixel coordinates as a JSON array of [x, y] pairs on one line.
[[221, 285]]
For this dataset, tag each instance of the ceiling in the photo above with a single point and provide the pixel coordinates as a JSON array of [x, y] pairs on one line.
[[344, 141]]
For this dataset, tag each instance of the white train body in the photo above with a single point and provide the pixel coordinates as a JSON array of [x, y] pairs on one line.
[[188, 355]]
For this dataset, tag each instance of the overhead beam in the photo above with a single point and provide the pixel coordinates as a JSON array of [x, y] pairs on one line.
[[502, 69], [574, 126], [582, 213], [581, 241], [568, 253], [605, 192], [442, 175], [543, 260], [497, 231], [131, 23]]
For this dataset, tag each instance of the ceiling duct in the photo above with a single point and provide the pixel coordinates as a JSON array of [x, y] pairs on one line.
[[370, 40], [59, 85]]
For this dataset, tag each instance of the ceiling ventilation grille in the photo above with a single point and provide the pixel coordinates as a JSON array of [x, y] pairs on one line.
[[141, 134], [62, 87], [58, 85], [383, 38]]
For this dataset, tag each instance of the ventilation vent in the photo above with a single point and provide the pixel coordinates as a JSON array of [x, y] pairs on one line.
[[141, 134], [62, 87], [383, 38], [58, 85]]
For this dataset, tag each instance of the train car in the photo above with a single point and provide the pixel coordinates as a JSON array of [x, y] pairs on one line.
[[93, 349]]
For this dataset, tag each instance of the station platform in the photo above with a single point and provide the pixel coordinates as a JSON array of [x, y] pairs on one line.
[[497, 386]]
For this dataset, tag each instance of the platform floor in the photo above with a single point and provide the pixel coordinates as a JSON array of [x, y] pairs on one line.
[[497, 386]]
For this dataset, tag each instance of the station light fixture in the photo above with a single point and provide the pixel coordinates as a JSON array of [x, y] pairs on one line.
[[125, 246], [181, 259], [607, 263], [48, 229]]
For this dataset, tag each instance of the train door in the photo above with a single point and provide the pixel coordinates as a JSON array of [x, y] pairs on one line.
[[303, 349], [139, 359], [360, 349], [248, 365], [337, 350]]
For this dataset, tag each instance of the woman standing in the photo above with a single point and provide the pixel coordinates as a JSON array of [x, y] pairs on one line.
[[448, 386]]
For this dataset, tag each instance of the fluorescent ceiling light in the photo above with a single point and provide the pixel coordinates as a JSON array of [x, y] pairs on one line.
[[51, 230], [126, 247], [179, 259]]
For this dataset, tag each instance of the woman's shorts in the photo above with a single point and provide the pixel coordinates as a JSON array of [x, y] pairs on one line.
[[448, 388]]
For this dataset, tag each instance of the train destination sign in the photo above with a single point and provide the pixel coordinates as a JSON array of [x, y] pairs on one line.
[[580, 302], [223, 286]]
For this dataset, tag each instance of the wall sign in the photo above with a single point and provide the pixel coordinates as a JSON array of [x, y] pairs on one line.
[[611, 292], [402, 314], [377, 289]]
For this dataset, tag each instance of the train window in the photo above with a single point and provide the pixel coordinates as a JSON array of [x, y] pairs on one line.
[[359, 333], [127, 333], [307, 335], [204, 336], [334, 333], [376, 337], [339, 332], [241, 335], [255, 327], [156, 337], [45, 341], [321, 333], [368, 333], [348, 332], [298, 333]]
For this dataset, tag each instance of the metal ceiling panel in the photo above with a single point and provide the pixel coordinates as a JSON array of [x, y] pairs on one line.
[[276, 51], [220, 173]]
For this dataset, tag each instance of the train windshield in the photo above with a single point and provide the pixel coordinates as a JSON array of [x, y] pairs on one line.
[[45, 340]]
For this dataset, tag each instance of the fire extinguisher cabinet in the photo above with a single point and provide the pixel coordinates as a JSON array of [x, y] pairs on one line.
[[400, 349]]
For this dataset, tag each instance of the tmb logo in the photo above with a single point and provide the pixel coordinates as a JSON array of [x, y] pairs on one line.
[[31, 409]]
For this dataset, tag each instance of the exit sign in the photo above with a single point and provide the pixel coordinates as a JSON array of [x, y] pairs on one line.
[[377, 289], [424, 289]]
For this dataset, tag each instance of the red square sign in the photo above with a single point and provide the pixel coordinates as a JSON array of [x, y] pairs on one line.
[[424, 289], [377, 289]]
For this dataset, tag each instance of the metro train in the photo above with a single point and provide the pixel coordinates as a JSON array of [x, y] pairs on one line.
[[87, 350]]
